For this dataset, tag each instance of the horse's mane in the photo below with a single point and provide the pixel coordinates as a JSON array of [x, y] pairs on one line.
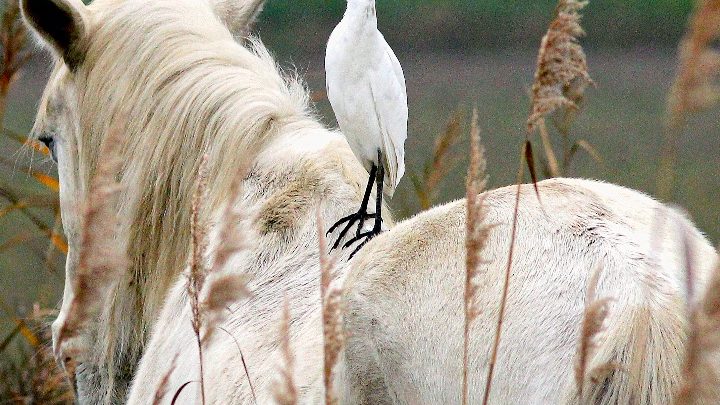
[[170, 74]]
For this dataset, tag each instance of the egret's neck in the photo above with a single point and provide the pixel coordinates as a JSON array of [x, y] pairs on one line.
[[362, 9]]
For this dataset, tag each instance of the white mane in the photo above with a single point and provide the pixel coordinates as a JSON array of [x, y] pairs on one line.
[[176, 77]]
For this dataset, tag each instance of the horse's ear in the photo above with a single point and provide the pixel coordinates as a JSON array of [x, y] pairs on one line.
[[237, 15], [61, 23]]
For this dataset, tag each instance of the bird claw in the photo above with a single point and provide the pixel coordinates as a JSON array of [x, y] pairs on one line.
[[367, 235], [357, 217]]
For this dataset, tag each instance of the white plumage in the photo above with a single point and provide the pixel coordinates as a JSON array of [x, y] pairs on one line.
[[366, 87]]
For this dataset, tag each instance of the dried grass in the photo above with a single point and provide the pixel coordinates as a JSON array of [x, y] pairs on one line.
[[286, 392], [561, 77], [525, 157], [162, 388], [331, 314], [594, 316], [211, 291], [701, 381], [102, 261], [35, 377], [444, 159], [561, 74], [197, 273], [695, 87], [244, 364], [476, 236]]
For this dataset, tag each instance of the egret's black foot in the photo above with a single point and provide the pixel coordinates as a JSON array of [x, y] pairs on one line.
[[358, 217], [365, 237]]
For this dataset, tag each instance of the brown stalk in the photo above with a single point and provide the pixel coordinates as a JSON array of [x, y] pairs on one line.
[[212, 290], [696, 84], [553, 165], [286, 392], [695, 87], [162, 388], [245, 367], [476, 235], [100, 262], [331, 314], [506, 281], [444, 158], [701, 380], [36, 378], [196, 275], [561, 77], [596, 311]]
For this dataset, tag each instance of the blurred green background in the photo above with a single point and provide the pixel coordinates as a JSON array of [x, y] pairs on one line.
[[456, 54]]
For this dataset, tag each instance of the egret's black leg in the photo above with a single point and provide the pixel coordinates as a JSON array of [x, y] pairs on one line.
[[360, 216], [377, 227]]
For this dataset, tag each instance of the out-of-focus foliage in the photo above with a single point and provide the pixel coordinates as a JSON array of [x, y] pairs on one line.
[[473, 24]]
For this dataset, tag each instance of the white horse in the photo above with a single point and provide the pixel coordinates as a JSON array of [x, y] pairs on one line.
[[190, 89]]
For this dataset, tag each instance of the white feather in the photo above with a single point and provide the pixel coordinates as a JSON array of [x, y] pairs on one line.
[[366, 88]]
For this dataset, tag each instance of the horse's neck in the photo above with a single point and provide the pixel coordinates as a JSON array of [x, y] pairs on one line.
[[295, 180]]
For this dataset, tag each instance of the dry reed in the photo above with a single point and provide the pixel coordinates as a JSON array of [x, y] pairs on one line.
[[525, 156], [561, 77], [162, 388], [36, 378], [695, 87], [286, 392], [701, 381], [476, 235], [331, 314], [444, 159], [211, 290], [244, 364], [101, 260], [196, 274], [596, 311]]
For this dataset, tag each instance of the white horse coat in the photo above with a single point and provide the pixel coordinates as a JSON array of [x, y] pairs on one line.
[[188, 89]]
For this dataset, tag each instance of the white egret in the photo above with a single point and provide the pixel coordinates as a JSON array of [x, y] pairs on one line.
[[366, 88]]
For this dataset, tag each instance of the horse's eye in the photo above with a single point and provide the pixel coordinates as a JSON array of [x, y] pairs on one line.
[[49, 143]]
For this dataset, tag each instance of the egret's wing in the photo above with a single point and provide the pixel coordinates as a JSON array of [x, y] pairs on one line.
[[390, 99], [397, 68]]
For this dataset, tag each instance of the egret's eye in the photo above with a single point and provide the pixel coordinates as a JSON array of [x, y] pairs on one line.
[[49, 143]]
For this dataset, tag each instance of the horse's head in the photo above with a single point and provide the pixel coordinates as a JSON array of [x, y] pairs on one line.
[[81, 42]]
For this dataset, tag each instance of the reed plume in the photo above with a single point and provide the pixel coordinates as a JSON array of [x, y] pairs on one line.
[[701, 380], [197, 273], [561, 77], [211, 290], [102, 261], [331, 314], [695, 87], [476, 236], [594, 316], [444, 159], [223, 286]]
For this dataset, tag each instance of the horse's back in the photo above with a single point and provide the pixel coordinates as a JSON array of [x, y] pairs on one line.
[[404, 298]]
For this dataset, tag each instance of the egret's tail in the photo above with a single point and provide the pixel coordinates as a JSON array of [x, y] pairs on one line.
[[394, 170]]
